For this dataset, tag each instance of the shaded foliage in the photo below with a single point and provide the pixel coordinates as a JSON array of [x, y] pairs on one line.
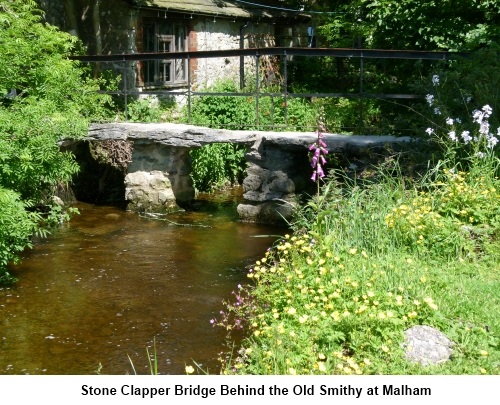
[[44, 97]]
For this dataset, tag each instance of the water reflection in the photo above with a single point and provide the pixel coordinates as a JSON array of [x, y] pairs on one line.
[[103, 286]]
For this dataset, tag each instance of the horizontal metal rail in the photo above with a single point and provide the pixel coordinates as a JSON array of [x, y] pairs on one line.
[[284, 53], [276, 51]]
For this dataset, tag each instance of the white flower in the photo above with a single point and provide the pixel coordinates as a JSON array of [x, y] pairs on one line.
[[430, 99], [458, 120], [484, 128], [477, 116], [453, 136], [468, 99], [480, 155], [437, 111], [435, 80], [466, 136], [492, 141], [449, 121], [430, 131], [487, 110]]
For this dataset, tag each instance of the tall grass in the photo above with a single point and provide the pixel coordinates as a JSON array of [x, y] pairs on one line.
[[365, 263]]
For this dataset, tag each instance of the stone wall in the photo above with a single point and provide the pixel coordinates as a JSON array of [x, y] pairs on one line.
[[225, 34]]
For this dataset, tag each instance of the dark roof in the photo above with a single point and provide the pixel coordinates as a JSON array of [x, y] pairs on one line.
[[226, 8]]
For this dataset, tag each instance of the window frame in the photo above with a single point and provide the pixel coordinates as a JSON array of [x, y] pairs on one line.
[[164, 72]]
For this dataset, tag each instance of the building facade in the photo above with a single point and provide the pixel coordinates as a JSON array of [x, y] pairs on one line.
[[145, 26]]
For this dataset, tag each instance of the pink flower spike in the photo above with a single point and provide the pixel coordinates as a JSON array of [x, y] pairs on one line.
[[325, 151], [322, 143], [320, 171], [313, 177], [314, 161], [317, 152], [312, 146], [323, 160]]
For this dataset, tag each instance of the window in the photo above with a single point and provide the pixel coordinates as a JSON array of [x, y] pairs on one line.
[[165, 37]]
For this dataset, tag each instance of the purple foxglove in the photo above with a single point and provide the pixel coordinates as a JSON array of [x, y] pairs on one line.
[[321, 174]]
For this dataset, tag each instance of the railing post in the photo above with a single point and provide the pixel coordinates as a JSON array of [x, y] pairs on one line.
[[257, 84], [189, 88], [125, 88], [285, 88], [361, 73]]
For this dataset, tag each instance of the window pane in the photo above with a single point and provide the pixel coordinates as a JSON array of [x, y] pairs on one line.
[[165, 71], [180, 38], [149, 38], [180, 70]]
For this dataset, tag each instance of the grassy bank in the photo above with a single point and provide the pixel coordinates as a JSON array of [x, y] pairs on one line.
[[368, 261]]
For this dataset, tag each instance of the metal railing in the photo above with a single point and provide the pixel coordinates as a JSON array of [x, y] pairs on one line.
[[130, 89]]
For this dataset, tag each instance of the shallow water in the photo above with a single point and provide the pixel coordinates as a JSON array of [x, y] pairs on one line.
[[105, 286]]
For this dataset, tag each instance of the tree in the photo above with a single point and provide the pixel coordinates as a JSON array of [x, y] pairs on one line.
[[71, 17], [44, 97], [414, 24]]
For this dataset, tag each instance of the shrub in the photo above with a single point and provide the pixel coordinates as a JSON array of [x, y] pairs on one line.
[[239, 112], [16, 228], [217, 165]]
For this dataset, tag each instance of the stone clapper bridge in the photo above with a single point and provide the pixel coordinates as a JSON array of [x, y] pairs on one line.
[[158, 176]]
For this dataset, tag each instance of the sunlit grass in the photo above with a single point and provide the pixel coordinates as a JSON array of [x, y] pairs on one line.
[[336, 296]]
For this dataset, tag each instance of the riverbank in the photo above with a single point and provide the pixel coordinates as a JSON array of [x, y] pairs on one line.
[[367, 262]]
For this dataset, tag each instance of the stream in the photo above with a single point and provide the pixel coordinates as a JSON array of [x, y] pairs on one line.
[[110, 286]]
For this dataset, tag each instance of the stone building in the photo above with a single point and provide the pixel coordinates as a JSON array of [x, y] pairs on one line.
[[141, 26]]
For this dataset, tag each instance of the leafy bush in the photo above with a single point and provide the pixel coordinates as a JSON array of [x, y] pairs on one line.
[[217, 165], [44, 98], [16, 228], [223, 111], [148, 109], [239, 112]]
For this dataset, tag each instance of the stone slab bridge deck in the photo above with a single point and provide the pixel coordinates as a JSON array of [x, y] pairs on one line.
[[158, 176]]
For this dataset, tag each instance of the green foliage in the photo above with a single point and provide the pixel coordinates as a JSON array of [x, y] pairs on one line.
[[412, 24], [223, 111], [217, 165], [239, 112], [467, 84], [16, 228], [367, 261], [409, 24], [53, 101], [448, 24], [44, 98], [148, 109]]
